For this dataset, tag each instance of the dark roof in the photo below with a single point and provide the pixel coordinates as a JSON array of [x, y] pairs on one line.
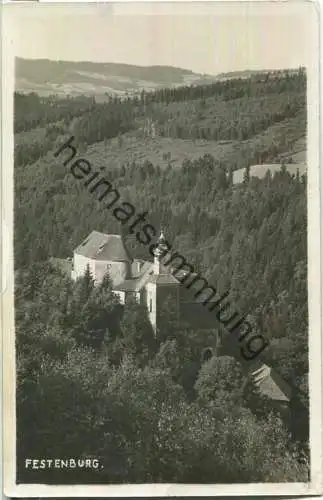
[[163, 279], [147, 271], [147, 275], [145, 265], [127, 286], [137, 282], [100, 246]]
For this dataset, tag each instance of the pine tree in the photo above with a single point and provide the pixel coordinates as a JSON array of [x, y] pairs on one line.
[[106, 283], [246, 175], [230, 177], [84, 286]]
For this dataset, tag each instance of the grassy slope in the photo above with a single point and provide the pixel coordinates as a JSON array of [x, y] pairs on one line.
[[211, 113], [287, 135], [137, 148]]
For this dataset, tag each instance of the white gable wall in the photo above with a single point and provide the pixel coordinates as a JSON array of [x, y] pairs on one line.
[[151, 303], [80, 264], [98, 268], [117, 271], [101, 268]]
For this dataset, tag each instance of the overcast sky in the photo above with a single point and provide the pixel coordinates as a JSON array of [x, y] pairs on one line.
[[206, 38]]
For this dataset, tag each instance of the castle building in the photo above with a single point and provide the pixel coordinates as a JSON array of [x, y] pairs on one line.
[[149, 283]]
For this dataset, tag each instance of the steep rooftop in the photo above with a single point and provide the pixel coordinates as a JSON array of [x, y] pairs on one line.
[[100, 246]]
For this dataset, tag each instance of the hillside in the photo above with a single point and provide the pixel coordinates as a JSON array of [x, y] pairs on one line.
[[48, 77], [67, 77], [154, 407], [233, 125], [164, 151], [248, 73], [142, 142]]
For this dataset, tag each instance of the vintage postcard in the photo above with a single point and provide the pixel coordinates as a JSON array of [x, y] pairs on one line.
[[161, 298]]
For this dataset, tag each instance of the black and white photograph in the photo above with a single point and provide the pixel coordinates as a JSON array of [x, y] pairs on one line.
[[161, 299]]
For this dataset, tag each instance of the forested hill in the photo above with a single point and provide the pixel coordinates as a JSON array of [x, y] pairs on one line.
[[262, 117], [96, 78], [171, 153], [208, 131], [100, 79]]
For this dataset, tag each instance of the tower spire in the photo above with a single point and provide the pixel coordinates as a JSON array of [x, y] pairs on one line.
[[161, 250]]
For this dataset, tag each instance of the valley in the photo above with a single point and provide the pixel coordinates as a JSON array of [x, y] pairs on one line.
[[163, 404]]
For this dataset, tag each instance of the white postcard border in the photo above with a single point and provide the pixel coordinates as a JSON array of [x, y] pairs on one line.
[[314, 282]]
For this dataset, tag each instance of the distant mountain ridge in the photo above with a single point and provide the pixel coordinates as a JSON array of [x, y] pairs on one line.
[[45, 77], [248, 73]]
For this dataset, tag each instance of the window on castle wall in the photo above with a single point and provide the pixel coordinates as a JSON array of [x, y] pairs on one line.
[[151, 305]]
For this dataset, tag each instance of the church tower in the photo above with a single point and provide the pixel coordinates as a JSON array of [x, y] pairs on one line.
[[160, 252], [162, 287]]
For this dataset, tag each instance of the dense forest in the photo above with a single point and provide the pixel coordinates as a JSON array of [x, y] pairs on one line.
[[230, 110], [93, 380]]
